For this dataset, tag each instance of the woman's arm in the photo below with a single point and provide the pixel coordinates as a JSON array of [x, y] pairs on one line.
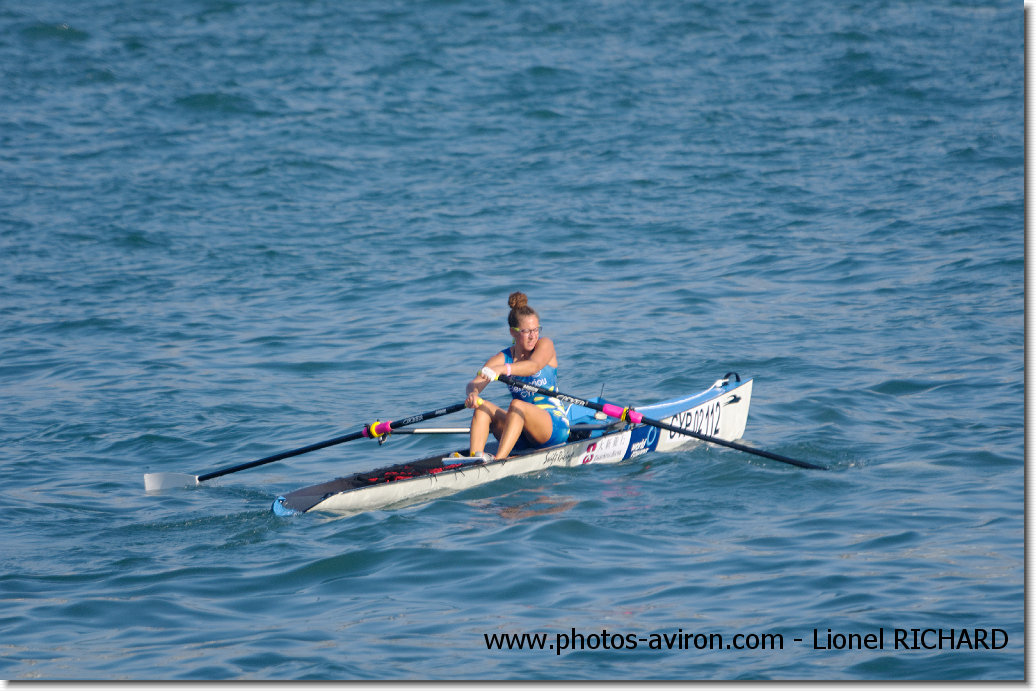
[[475, 387], [541, 356]]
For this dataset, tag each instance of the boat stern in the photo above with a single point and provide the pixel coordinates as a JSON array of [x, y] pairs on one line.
[[720, 411]]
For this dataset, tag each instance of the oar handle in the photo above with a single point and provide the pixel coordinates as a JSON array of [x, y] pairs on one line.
[[375, 429], [628, 414]]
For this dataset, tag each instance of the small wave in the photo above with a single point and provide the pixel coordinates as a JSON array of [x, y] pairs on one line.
[[898, 387], [543, 114], [218, 102], [60, 31]]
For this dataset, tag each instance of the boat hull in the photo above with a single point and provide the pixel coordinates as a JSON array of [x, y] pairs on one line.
[[720, 411]]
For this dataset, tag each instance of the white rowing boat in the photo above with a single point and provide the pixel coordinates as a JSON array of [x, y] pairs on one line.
[[719, 412]]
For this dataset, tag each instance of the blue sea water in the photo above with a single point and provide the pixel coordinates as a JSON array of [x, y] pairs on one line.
[[232, 228]]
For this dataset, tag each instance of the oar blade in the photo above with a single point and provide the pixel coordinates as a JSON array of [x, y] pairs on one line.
[[156, 482]]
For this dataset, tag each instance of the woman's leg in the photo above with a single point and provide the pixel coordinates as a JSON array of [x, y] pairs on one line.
[[487, 417], [523, 416]]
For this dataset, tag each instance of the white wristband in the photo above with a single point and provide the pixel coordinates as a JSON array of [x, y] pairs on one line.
[[486, 372]]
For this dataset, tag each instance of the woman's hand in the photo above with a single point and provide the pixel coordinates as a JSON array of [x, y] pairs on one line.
[[486, 374], [475, 388]]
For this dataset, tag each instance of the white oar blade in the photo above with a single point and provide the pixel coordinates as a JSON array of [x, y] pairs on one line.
[[154, 482]]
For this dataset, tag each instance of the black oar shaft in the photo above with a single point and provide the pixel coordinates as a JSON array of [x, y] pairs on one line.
[[379, 429], [281, 455], [732, 445], [615, 411]]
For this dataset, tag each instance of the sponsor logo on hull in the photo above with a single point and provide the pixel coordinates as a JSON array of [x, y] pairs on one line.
[[607, 449], [560, 456], [644, 440]]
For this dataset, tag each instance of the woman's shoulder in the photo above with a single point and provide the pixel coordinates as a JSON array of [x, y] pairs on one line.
[[545, 350]]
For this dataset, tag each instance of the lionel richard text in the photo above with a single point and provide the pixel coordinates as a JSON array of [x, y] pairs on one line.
[[911, 639]]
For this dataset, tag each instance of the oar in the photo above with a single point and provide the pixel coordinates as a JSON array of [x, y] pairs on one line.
[[434, 431], [628, 414], [164, 481]]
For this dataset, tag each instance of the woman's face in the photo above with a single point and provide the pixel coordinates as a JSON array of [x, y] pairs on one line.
[[527, 333]]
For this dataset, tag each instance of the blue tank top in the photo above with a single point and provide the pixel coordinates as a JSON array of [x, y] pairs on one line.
[[546, 378]]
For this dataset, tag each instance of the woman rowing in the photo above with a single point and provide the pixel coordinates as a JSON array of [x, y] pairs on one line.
[[540, 421]]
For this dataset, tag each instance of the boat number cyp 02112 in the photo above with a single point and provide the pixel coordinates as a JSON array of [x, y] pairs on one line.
[[703, 420]]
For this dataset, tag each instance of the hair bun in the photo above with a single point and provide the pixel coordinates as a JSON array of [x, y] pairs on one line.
[[518, 300]]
